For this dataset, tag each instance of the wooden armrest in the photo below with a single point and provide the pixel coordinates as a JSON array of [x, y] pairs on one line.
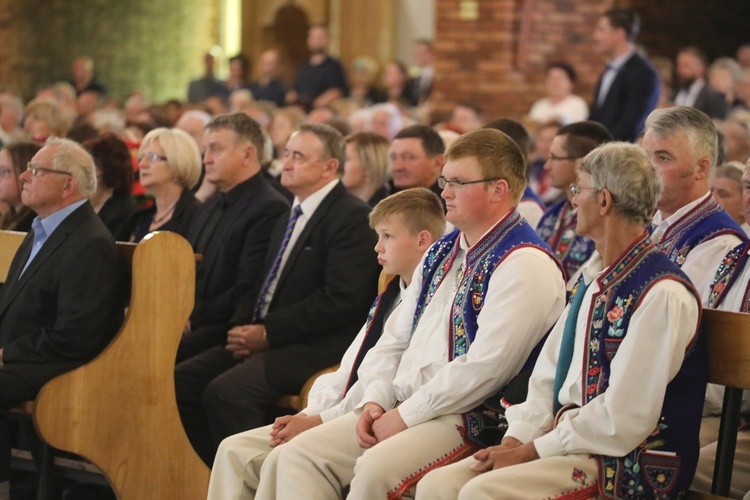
[[298, 402]]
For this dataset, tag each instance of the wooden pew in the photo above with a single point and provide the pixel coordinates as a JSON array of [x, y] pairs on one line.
[[119, 410], [728, 336]]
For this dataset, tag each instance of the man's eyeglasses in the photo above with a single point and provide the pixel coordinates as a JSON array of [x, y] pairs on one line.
[[443, 182], [151, 157], [35, 169], [576, 189]]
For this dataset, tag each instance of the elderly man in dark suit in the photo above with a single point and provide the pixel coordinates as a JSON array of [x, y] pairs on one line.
[[320, 278], [65, 294], [230, 230], [629, 88]]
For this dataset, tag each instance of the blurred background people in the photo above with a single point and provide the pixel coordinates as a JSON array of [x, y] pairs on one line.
[[726, 188], [366, 167], [13, 160], [45, 119], [114, 180], [559, 103]]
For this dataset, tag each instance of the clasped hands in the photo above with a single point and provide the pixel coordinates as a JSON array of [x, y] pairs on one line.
[[245, 340], [376, 424]]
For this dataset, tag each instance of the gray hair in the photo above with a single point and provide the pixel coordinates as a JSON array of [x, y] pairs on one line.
[[69, 156], [703, 139], [333, 142], [626, 171], [730, 65]]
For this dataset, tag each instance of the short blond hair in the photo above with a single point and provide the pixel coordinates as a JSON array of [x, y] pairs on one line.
[[419, 208], [497, 155], [183, 155]]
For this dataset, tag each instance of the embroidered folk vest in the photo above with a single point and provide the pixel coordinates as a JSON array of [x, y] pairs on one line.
[[530, 195], [704, 222], [572, 250], [729, 269], [664, 463], [510, 234]]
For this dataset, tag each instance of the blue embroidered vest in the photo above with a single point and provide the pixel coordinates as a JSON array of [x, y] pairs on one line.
[[729, 269], [704, 222], [572, 250], [510, 234], [530, 195], [663, 465]]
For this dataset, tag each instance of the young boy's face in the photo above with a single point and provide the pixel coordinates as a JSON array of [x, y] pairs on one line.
[[399, 250]]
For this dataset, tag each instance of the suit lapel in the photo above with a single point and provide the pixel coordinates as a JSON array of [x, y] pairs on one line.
[[317, 216], [48, 249]]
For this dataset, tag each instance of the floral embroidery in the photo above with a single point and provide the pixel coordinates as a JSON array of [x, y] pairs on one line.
[[615, 317], [579, 476]]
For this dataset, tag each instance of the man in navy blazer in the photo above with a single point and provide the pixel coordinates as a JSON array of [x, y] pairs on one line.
[[320, 278], [629, 88], [231, 230], [64, 298]]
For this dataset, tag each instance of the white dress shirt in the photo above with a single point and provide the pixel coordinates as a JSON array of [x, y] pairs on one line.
[[703, 260], [732, 302], [617, 421], [327, 393], [525, 295]]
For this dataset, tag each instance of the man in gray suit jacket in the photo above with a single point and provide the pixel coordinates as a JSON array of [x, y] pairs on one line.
[[65, 294]]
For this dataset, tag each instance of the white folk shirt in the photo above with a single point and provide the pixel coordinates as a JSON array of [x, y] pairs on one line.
[[732, 302], [703, 260], [326, 396], [617, 421], [525, 297]]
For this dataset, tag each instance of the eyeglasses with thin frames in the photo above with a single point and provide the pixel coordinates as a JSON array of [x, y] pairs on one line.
[[576, 189], [456, 184], [35, 169], [151, 157]]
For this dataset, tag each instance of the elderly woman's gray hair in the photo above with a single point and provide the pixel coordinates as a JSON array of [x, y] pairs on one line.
[[703, 139], [626, 171], [69, 156], [181, 151]]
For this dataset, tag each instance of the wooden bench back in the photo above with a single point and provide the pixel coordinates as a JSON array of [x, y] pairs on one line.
[[119, 410], [728, 337]]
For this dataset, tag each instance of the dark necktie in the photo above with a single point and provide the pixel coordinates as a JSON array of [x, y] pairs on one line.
[[271, 277], [568, 341]]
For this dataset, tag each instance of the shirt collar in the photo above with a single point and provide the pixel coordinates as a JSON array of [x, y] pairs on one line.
[[312, 202], [658, 221], [619, 62], [52, 221]]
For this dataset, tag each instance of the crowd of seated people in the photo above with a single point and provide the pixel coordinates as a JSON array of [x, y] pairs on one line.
[[294, 195]]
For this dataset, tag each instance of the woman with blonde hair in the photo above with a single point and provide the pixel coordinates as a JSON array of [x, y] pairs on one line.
[[13, 160], [366, 167], [45, 118], [169, 166]]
